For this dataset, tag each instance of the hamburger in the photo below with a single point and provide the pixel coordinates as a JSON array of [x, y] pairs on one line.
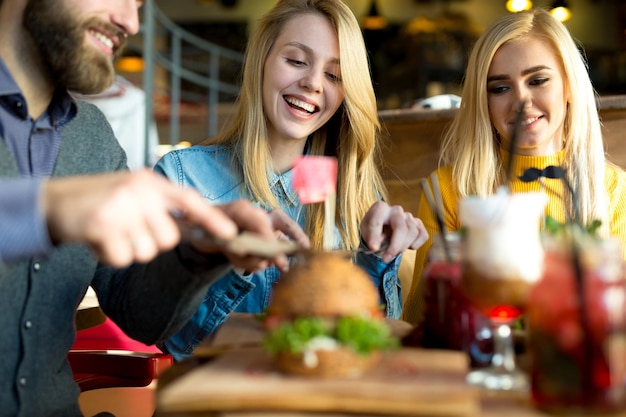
[[325, 319]]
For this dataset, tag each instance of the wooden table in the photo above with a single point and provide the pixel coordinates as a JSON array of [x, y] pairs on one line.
[[241, 333]]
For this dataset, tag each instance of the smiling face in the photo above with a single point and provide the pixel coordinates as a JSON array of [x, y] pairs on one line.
[[302, 78], [528, 70], [78, 39]]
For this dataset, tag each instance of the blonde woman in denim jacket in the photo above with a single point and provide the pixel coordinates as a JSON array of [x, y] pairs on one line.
[[306, 89]]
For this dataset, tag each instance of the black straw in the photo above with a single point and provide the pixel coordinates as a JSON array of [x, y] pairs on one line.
[[513, 145]]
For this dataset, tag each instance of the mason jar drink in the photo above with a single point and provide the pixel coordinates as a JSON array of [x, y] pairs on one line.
[[576, 324], [503, 255], [502, 260], [449, 320]]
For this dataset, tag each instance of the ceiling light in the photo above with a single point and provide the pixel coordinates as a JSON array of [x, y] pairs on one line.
[[515, 6], [560, 10], [373, 21]]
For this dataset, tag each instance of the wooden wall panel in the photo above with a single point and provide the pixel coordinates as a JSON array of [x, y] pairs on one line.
[[412, 139]]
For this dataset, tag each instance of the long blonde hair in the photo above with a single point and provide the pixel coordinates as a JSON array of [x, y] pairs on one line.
[[351, 134], [470, 145]]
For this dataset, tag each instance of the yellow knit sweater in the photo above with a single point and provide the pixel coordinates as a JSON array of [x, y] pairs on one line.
[[615, 181]]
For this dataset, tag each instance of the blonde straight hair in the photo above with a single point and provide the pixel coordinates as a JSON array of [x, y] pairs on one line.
[[351, 135], [470, 145]]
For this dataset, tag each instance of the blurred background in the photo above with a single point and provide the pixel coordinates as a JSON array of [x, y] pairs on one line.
[[187, 58]]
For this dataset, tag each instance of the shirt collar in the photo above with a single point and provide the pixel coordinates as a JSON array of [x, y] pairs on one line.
[[284, 181], [62, 108]]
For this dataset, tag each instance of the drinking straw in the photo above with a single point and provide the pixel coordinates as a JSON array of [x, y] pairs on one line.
[[513, 144], [580, 285], [584, 317], [437, 208]]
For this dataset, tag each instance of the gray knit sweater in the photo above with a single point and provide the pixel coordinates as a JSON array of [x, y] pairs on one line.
[[38, 298]]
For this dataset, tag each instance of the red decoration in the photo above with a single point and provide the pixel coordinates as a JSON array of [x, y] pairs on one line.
[[315, 178]]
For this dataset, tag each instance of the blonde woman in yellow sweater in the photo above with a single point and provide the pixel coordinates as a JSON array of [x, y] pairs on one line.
[[530, 58]]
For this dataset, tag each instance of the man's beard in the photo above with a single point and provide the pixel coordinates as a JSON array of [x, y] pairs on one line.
[[60, 39]]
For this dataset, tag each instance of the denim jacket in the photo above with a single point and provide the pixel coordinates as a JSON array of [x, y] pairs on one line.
[[217, 174]]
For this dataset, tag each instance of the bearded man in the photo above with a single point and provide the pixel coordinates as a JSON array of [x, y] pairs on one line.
[[67, 222]]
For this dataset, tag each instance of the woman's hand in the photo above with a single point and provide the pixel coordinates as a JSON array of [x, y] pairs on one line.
[[390, 226]]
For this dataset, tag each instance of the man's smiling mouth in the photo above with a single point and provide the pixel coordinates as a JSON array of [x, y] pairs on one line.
[[106, 41]]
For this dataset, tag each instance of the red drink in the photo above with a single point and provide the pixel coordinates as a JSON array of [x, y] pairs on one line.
[[450, 321], [442, 305], [578, 355], [504, 314]]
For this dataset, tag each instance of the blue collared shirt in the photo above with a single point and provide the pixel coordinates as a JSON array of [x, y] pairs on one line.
[[217, 174], [34, 144]]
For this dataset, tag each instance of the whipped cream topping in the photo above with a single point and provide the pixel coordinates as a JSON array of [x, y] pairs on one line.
[[503, 239]]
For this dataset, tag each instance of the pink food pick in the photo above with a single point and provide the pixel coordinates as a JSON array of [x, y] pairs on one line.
[[315, 178]]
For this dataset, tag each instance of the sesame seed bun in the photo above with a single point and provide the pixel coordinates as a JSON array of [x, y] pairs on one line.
[[324, 285], [328, 286]]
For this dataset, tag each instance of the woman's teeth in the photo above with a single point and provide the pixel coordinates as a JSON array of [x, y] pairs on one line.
[[309, 108], [529, 121]]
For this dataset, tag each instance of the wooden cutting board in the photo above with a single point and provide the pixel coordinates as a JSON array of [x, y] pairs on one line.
[[408, 382]]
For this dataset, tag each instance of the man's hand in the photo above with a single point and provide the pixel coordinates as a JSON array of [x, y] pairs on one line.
[[268, 226], [126, 217]]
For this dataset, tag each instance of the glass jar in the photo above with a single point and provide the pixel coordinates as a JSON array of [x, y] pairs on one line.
[[503, 255], [576, 324], [450, 322], [441, 324]]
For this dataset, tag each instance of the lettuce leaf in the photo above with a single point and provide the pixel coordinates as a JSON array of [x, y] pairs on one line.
[[360, 333]]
